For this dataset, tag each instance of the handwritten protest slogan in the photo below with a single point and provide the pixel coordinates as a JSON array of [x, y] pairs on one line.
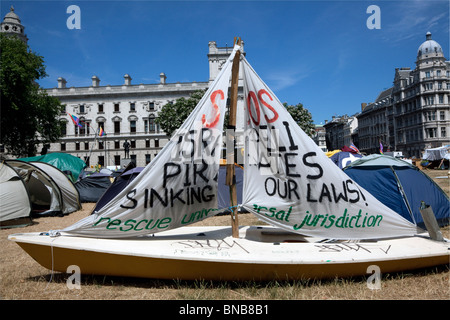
[[289, 181], [179, 186]]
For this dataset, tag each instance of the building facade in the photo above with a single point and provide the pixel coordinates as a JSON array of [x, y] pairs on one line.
[[126, 113], [414, 114], [341, 131]]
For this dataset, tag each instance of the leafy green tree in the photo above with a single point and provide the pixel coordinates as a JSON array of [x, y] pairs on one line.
[[28, 115], [302, 117], [172, 115]]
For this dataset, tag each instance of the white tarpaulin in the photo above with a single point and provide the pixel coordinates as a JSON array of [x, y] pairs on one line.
[[179, 186], [437, 153], [289, 182]]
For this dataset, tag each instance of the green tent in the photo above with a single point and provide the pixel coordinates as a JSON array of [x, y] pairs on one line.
[[63, 161]]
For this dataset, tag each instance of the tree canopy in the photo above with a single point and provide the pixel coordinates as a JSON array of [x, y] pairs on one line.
[[29, 116], [302, 117], [172, 115]]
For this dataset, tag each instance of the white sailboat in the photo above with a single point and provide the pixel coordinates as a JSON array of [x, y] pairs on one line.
[[323, 224]]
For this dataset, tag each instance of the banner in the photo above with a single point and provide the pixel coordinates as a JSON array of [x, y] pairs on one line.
[[179, 186], [289, 182]]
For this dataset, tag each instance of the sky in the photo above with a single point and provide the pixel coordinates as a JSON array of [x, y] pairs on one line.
[[326, 55]]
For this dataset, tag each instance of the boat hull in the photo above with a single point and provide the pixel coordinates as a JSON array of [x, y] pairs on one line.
[[211, 253]]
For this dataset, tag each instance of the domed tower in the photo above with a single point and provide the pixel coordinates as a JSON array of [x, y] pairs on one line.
[[430, 53], [11, 26]]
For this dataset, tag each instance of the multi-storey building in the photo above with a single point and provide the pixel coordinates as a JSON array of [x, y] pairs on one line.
[[414, 114], [125, 112], [375, 124], [341, 131]]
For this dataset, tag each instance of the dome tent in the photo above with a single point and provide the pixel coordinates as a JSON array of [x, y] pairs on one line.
[[15, 205], [400, 186], [63, 161], [50, 191]]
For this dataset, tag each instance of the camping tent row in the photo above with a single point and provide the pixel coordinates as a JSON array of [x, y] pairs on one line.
[[33, 189]]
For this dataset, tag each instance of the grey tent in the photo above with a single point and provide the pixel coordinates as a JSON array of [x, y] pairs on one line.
[[49, 189], [15, 205], [92, 187]]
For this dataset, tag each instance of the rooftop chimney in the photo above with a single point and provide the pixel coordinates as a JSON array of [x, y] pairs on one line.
[[95, 81], [162, 78], [61, 83], [127, 79], [363, 106]]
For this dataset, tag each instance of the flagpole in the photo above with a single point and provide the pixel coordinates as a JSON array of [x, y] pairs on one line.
[[230, 177]]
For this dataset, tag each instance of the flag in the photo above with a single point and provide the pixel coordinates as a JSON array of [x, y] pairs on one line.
[[381, 148], [101, 133], [354, 148], [75, 120]]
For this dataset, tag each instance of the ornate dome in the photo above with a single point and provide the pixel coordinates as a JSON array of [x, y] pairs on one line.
[[11, 26], [11, 17], [429, 46]]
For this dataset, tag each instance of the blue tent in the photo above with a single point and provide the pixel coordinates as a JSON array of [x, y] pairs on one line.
[[344, 158], [400, 186]]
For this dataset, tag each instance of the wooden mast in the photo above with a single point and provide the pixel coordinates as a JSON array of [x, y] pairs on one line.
[[230, 178]]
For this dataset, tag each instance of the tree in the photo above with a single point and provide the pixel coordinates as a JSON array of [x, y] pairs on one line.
[[172, 115], [28, 115], [302, 117]]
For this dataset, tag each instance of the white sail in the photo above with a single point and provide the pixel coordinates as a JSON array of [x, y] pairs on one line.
[[289, 181], [179, 186]]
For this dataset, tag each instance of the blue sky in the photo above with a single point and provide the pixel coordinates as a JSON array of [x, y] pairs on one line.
[[319, 53]]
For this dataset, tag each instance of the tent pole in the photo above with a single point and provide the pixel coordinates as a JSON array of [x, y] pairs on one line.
[[230, 177]]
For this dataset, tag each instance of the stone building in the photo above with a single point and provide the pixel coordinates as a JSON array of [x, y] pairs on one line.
[[12, 26], [414, 114], [341, 131]]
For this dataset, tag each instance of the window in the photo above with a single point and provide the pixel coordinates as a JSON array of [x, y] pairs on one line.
[[132, 106], [116, 126], [101, 160], [116, 107], [117, 160], [443, 132], [152, 105], [133, 144], [101, 125], [147, 159], [438, 73], [429, 100], [431, 132], [100, 145], [82, 110], [63, 146], [145, 126], [151, 122], [442, 115], [156, 143], [441, 98], [100, 108], [427, 74], [116, 144], [133, 126], [63, 128], [86, 146], [147, 143]]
